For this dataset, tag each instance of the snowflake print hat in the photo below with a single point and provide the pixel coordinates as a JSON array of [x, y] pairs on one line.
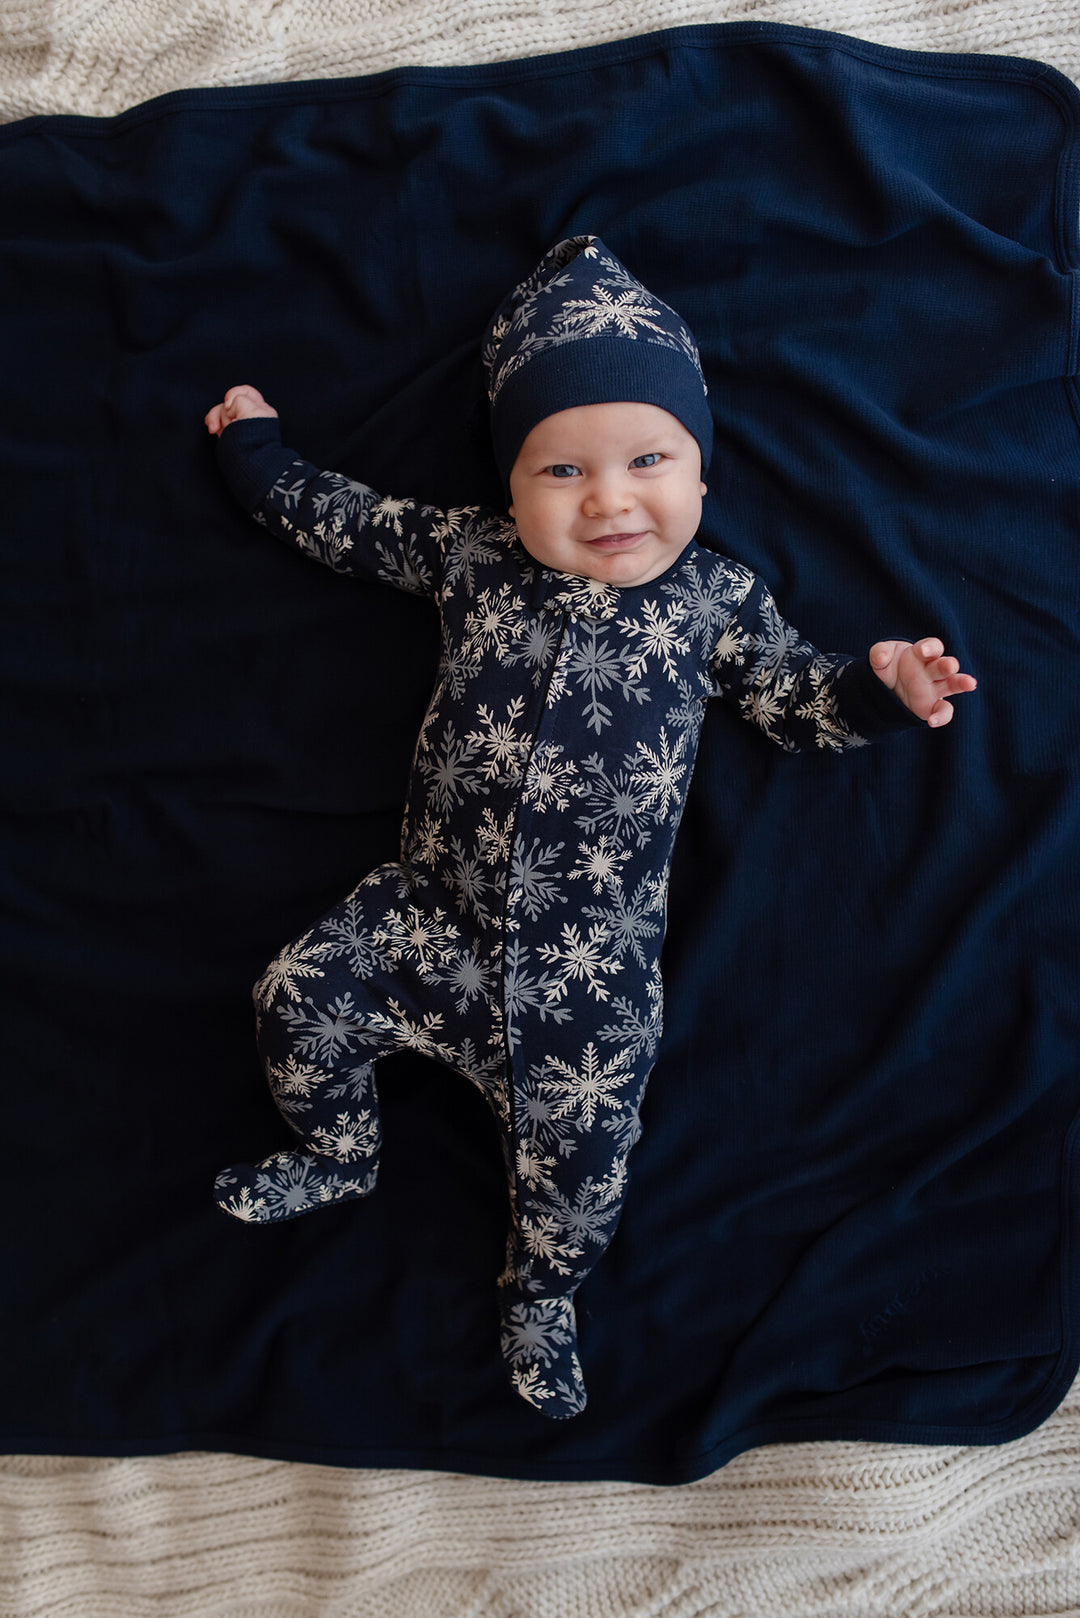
[[582, 330]]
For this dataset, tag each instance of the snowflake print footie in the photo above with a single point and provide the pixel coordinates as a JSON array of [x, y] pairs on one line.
[[518, 940]]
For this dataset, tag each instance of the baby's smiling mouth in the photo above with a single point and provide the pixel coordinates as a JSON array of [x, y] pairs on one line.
[[616, 539]]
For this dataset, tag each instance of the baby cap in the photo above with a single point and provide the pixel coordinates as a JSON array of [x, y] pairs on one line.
[[582, 330]]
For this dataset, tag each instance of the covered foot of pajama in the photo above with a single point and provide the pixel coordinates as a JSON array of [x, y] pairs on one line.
[[287, 1184], [539, 1344]]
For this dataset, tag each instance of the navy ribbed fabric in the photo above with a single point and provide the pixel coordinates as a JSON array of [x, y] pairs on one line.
[[851, 1207]]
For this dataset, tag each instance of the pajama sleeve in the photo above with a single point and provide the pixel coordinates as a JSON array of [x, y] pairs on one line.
[[330, 517], [798, 696]]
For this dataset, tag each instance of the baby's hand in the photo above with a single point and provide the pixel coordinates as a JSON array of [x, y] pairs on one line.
[[238, 402], [921, 676]]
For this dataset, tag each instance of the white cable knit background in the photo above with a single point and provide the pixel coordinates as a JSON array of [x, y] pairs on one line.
[[792, 1531]]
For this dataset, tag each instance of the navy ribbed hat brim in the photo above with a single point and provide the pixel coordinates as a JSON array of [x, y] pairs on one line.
[[604, 370]]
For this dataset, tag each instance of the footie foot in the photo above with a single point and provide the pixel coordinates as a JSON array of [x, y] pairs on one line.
[[284, 1186], [539, 1344]]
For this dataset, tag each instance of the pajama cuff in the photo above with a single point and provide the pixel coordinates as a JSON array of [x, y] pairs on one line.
[[251, 458], [867, 704]]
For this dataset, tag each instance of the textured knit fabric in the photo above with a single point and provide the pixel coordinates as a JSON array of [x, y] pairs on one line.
[[518, 939]]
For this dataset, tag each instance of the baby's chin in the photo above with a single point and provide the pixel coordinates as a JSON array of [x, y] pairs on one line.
[[630, 567]]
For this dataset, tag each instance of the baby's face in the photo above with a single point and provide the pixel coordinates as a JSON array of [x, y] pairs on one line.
[[608, 491]]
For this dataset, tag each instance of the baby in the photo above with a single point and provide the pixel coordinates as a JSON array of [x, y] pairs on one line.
[[518, 939]]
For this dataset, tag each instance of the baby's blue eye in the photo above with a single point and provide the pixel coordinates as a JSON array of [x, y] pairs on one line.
[[646, 460], [563, 470]]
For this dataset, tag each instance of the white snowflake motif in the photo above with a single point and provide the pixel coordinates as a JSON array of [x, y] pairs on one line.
[[427, 843], [293, 1082], [657, 638], [329, 542], [629, 313], [578, 960], [494, 623], [730, 646], [543, 1238], [351, 1138], [819, 709], [550, 780], [295, 963], [416, 935], [493, 838], [601, 863], [579, 1093], [504, 744], [409, 1034], [387, 514], [765, 707], [659, 771], [242, 1205], [532, 1168]]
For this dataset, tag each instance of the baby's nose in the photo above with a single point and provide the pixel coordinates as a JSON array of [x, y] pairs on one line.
[[606, 497]]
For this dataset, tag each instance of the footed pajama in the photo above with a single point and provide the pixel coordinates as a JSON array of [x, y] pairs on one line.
[[518, 940]]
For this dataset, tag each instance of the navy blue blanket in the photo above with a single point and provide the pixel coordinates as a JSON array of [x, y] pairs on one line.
[[851, 1211]]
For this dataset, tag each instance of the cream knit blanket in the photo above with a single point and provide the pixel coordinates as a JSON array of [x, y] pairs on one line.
[[792, 1531]]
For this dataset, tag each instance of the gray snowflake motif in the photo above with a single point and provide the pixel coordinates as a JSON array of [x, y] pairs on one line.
[[614, 803], [630, 918], [595, 665], [324, 1034], [535, 1331], [534, 882]]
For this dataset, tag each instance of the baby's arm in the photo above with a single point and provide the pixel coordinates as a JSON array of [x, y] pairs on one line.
[[330, 517], [921, 676], [801, 697]]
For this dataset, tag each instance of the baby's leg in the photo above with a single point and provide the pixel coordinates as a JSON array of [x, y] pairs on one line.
[[568, 1177], [325, 1010]]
